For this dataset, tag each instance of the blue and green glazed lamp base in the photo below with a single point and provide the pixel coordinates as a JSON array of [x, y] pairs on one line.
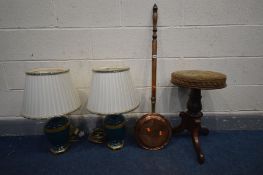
[[57, 130], [114, 127]]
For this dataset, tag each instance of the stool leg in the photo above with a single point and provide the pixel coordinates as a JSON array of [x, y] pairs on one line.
[[196, 143], [191, 120]]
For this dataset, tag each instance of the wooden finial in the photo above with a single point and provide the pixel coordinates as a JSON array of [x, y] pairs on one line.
[[155, 15], [155, 8]]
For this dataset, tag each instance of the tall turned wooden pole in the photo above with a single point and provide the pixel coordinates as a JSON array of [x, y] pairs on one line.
[[154, 56], [191, 120]]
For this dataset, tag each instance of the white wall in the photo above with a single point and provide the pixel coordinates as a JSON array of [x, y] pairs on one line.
[[220, 35]]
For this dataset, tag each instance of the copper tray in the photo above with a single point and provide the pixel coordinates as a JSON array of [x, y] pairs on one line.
[[153, 131]]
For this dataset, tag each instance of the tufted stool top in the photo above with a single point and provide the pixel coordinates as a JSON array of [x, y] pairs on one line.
[[199, 79]]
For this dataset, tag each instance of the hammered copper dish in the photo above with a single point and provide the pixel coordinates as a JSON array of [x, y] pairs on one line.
[[153, 131]]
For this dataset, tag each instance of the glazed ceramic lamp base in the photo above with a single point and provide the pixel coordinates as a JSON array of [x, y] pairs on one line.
[[57, 130], [114, 126]]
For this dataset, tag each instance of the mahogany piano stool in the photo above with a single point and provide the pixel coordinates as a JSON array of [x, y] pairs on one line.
[[196, 80]]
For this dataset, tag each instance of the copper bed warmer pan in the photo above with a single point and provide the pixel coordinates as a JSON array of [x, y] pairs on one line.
[[153, 131]]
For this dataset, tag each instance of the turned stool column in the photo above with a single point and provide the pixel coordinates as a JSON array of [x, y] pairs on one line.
[[191, 119]]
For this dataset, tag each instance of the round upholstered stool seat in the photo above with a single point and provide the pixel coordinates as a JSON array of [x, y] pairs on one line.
[[199, 79]]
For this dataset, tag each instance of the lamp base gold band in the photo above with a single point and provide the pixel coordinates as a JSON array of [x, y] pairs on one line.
[[115, 145], [59, 150]]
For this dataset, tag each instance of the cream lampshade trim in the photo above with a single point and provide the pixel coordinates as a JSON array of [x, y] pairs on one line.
[[114, 113], [110, 69], [47, 71], [44, 118]]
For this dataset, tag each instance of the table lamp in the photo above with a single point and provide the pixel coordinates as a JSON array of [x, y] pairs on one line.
[[112, 93], [50, 94]]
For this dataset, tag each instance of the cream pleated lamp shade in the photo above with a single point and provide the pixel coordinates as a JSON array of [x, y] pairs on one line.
[[49, 92], [112, 91]]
